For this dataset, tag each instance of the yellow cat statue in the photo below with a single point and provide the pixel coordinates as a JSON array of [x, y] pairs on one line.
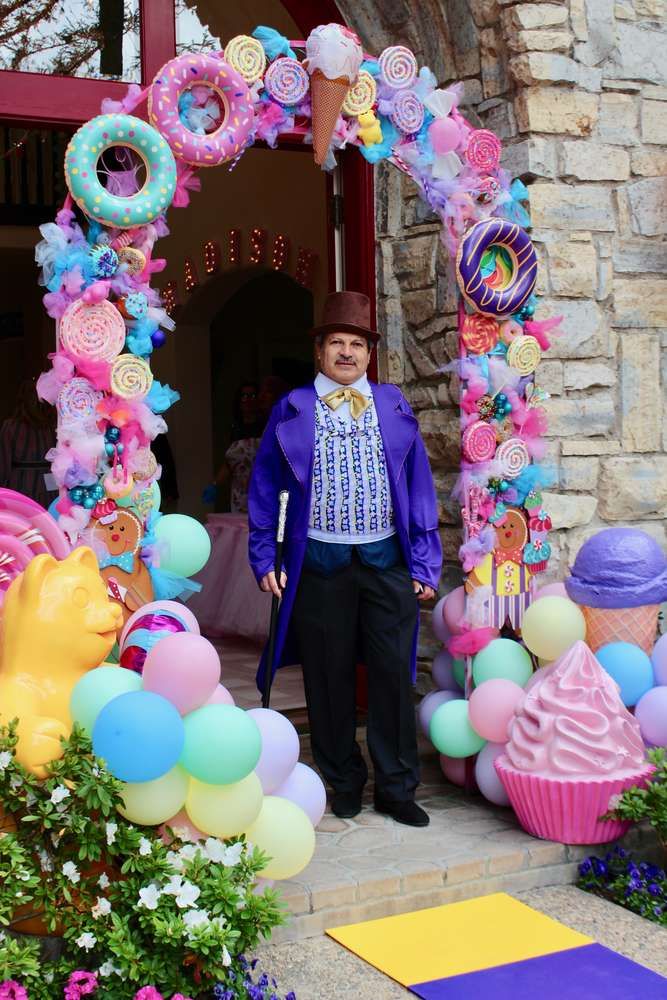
[[57, 623]]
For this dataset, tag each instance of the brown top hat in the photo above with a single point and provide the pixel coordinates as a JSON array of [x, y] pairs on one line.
[[346, 312]]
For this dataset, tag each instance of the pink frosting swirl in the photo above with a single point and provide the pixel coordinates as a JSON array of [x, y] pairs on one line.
[[572, 723]]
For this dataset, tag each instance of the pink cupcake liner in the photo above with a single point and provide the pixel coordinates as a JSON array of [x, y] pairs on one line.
[[566, 811]]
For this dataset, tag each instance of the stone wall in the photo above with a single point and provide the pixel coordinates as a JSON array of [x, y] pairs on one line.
[[577, 90]]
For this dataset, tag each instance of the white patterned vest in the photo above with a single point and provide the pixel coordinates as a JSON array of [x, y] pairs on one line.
[[351, 497]]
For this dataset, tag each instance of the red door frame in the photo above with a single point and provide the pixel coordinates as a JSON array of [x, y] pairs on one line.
[[37, 99]]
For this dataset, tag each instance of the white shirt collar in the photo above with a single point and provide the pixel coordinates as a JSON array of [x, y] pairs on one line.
[[324, 385]]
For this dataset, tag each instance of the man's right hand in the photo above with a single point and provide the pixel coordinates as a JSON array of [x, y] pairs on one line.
[[269, 583]]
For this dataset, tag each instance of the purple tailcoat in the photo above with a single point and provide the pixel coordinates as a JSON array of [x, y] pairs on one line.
[[285, 462]]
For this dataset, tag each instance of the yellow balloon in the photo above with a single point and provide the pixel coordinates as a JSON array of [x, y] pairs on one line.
[[551, 625], [150, 803], [283, 832], [224, 810]]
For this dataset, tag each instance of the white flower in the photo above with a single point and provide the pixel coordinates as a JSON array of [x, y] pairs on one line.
[[214, 849], [102, 908], [71, 872], [218, 922], [111, 832], [185, 893], [108, 969], [2, 936], [182, 832], [145, 846], [58, 794], [103, 881], [86, 940], [232, 855], [175, 860], [30, 799], [226, 957], [48, 977], [614, 802], [5, 759], [195, 918], [189, 852], [149, 896]]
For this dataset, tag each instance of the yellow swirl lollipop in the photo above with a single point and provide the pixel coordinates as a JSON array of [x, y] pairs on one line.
[[131, 377], [362, 96], [524, 354], [246, 55]]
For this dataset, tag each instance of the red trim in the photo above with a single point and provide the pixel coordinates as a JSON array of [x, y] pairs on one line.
[[158, 36]]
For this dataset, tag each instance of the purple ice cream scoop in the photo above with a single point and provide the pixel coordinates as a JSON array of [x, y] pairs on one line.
[[619, 568]]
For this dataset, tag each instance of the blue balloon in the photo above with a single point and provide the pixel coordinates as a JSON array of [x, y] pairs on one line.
[[630, 667], [140, 735]]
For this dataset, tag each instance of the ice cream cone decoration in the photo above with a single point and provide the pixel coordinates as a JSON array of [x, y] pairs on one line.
[[333, 58]]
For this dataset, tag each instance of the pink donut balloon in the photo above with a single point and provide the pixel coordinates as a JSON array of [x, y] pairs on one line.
[[492, 296], [231, 135]]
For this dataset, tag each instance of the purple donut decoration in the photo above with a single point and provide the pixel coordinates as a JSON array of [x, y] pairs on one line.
[[500, 294]]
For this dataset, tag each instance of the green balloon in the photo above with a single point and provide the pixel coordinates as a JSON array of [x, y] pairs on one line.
[[459, 671], [96, 689], [451, 732], [503, 658], [222, 744], [187, 544]]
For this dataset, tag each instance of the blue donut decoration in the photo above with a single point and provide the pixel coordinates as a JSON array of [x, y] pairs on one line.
[[503, 292], [85, 149]]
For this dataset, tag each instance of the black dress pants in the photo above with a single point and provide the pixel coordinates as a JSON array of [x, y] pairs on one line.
[[373, 612]]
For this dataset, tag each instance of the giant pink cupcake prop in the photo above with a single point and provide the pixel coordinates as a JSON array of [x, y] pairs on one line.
[[572, 746]]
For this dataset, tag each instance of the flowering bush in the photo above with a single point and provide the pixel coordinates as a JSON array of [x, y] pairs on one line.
[[132, 908], [648, 803], [641, 887]]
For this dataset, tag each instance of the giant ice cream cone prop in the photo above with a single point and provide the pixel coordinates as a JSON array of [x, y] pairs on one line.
[[619, 579], [333, 58]]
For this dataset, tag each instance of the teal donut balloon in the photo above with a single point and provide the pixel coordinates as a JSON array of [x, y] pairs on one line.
[[86, 147]]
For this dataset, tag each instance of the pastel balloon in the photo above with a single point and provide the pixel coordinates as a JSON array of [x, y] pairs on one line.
[[430, 703], [222, 744], [224, 810], [96, 689], [139, 735], [454, 609], [187, 544], [442, 671], [454, 769], [170, 609], [445, 135], [502, 658], [651, 714], [283, 832], [630, 667], [486, 775], [491, 708], [550, 590], [659, 660], [551, 625], [184, 668], [305, 789], [451, 732], [440, 630], [280, 748], [459, 668], [150, 803], [182, 828], [221, 696]]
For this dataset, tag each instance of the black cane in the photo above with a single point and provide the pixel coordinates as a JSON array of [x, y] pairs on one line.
[[283, 498]]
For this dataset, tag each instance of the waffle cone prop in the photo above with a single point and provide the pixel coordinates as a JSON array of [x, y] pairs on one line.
[[333, 58], [327, 100], [636, 625]]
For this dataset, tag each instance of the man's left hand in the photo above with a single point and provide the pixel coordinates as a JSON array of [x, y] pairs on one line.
[[423, 592]]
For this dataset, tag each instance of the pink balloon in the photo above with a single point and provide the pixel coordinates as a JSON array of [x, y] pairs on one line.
[[221, 696], [182, 827], [428, 705], [442, 671], [454, 769], [440, 630], [280, 748], [491, 707], [183, 668], [454, 609], [551, 590], [445, 135], [155, 608], [486, 775], [305, 788]]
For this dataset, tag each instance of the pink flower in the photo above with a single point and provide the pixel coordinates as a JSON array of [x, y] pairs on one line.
[[79, 984], [148, 993], [11, 990]]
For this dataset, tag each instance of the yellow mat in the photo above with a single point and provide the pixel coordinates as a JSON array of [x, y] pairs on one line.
[[457, 938]]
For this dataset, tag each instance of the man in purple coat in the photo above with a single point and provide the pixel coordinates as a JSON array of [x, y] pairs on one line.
[[362, 548]]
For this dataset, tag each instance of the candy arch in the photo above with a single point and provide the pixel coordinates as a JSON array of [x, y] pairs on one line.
[[391, 109]]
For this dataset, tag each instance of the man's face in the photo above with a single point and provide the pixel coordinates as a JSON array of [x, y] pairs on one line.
[[344, 357]]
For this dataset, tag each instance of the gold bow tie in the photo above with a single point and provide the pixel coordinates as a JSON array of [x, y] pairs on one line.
[[358, 403]]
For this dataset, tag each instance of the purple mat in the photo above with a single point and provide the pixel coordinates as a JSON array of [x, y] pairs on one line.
[[590, 972]]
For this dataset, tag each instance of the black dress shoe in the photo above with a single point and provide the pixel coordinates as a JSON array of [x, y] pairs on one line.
[[346, 804], [408, 813]]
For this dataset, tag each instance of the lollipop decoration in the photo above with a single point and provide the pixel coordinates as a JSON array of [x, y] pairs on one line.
[[483, 151], [407, 112], [131, 377], [362, 96], [513, 457], [286, 81], [479, 442], [77, 403], [92, 332], [524, 355], [398, 66], [479, 333], [246, 56]]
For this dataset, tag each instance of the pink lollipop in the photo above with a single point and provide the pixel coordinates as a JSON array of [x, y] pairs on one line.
[[407, 112], [513, 457], [479, 442], [92, 332], [38, 522], [483, 150]]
